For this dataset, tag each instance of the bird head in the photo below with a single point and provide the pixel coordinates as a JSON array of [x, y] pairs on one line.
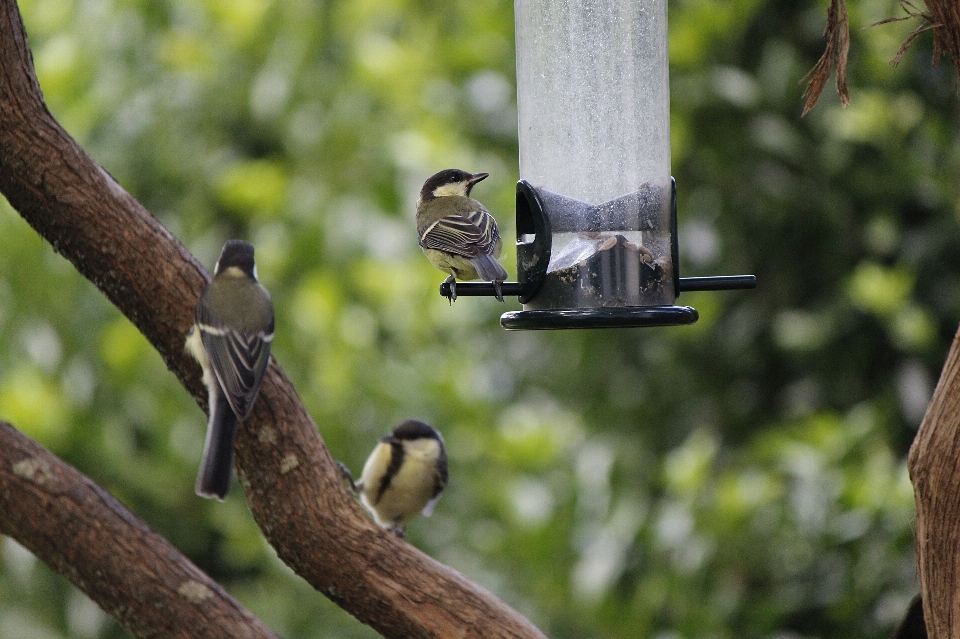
[[450, 182], [238, 255], [411, 430]]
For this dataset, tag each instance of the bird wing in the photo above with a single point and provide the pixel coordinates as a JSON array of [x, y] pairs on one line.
[[468, 233], [239, 359], [439, 482]]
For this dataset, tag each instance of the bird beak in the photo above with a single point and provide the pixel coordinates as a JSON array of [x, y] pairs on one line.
[[477, 177]]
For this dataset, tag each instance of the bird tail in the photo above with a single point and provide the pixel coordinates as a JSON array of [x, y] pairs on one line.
[[489, 269], [213, 480]]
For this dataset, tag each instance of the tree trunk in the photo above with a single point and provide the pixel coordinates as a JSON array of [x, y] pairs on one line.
[[935, 471]]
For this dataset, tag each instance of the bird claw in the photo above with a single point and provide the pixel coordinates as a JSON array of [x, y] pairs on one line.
[[348, 476], [496, 287], [452, 281]]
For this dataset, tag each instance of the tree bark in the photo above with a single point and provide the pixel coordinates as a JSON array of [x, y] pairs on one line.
[[294, 489], [85, 534], [934, 465]]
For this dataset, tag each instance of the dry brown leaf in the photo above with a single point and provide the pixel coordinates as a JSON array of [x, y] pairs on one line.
[[837, 34], [941, 16]]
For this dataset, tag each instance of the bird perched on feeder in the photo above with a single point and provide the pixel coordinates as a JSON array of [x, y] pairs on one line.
[[404, 475], [457, 233], [230, 338]]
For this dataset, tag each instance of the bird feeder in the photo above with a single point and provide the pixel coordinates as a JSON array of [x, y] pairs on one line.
[[596, 204]]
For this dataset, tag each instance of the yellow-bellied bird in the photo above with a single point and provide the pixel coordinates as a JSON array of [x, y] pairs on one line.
[[230, 338], [404, 475], [457, 233]]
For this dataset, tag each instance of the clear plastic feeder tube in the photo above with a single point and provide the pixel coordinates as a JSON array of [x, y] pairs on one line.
[[594, 109]]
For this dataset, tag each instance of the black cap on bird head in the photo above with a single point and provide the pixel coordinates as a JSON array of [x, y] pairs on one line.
[[414, 429], [450, 176], [239, 254]]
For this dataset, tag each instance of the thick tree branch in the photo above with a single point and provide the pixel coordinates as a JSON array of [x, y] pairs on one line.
[[935, 472], [293, 487], [85, 534]]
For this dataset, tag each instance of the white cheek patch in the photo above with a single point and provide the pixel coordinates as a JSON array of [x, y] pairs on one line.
[[456, 188], [236, 272]]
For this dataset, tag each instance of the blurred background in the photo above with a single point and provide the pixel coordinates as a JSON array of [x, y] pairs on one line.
[[741, 477]]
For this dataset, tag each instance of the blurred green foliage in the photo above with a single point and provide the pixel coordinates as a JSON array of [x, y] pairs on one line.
[[740, 477]]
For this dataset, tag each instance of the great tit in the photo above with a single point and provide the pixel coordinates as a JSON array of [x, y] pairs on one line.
[[230, 338], [457, 234], [404, 475]]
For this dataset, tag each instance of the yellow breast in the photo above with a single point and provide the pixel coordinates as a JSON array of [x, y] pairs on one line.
[[410, 488]]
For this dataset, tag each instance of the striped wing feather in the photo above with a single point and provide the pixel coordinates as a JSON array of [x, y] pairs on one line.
[[239, 361], [468, 233]]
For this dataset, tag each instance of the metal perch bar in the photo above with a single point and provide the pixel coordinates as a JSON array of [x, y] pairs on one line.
[[687, 284]]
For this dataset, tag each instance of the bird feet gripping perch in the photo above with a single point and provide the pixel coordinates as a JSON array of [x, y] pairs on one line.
[[452, 281]]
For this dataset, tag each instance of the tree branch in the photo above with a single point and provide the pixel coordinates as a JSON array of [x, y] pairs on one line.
[[294, 489], [89, 537], [935, 474]]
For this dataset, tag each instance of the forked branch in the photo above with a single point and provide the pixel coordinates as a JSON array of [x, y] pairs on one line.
[[293, 487]]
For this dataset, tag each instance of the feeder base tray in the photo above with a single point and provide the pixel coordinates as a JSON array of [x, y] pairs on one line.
[[614, 317]]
